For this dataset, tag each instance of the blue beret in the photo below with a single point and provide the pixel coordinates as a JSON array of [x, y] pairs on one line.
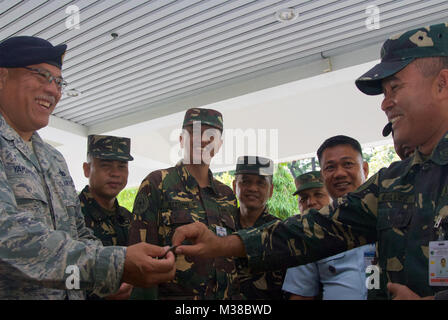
[[23, 51]]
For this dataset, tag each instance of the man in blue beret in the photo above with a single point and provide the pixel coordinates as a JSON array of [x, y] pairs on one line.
[[47, 252]]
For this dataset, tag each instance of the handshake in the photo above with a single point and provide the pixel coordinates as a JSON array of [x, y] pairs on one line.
[[147, 265]]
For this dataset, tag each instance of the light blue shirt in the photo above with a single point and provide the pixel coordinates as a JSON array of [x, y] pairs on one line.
[[343, 276]]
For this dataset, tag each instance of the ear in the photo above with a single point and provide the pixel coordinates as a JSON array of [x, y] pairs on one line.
[[365, 169], [181, 141], [3, 76], [234, 185], [442, 83], [86, 168]]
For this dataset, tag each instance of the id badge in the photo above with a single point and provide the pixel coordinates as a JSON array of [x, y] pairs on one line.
[[438, 266], [369, 256], [221, 231]]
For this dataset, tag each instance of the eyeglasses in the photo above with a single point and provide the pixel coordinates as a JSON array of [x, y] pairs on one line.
[[60, 82]]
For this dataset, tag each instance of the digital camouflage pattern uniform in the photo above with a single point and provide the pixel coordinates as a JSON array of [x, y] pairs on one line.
[[42, 230], [170, 198], [261, 285], [399, 206], [110, 226]]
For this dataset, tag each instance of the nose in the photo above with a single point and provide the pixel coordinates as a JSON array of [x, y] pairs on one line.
[[114, 171], [339, 172], [387, 103], [311, 202], [53, 89]]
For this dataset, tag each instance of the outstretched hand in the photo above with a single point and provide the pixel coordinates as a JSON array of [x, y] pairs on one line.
[[142, 268], [205, 243]]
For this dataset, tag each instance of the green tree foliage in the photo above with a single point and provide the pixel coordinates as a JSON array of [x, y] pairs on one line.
[[126, 198], [298, 167], [283, 204], [379, 157]]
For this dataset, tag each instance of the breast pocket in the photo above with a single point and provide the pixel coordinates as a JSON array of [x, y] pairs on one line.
[[393, 223], [330, 266]]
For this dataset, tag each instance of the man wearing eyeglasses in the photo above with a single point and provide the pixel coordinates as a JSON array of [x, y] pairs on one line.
[[46, 250]]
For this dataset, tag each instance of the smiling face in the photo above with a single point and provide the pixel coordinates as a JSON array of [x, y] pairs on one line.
[[106, 177], [253, 191], [27, 99], [412, 106], [314, 198], [343, 170]]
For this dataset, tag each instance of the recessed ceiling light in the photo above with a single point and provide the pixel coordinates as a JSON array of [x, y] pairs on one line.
[[72, 93], [286, 15]]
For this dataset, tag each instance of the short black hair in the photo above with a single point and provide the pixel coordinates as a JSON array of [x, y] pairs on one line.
[[336, 141]]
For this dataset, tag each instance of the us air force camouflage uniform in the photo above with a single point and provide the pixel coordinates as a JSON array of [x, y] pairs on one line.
[[398, 207], [42, 230], [172, 197], [110, 226]]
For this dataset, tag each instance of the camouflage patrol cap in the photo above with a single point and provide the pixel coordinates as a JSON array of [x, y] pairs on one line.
[[109, 147], [400, 50], [308, 180], [254, 165], [209, 117], [23, 51]]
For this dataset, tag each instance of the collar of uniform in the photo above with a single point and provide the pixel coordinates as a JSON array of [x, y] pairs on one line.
[[100, 213], [190, 181], [14, 139], [261, 216], [415, 159], [440, 153]]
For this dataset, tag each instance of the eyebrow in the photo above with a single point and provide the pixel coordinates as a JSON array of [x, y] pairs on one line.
[[343, 158], [388, 80]]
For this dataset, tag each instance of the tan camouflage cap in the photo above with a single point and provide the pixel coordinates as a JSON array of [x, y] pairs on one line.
[[254, 165], [308, 180], [109, 147], [400, 50], [209, 117]]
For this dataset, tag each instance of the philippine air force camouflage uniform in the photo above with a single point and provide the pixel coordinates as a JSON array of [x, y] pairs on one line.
[[261, 285], [42, 230], [110, 226], [170, 198], [398, 207]]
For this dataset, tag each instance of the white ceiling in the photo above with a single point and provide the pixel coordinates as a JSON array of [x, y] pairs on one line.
[[230, 55]]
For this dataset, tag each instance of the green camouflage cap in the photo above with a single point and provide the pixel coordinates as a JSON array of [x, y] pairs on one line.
[[109, 147], [254, 165], [209, 117], [308, 180], [400, 50]]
